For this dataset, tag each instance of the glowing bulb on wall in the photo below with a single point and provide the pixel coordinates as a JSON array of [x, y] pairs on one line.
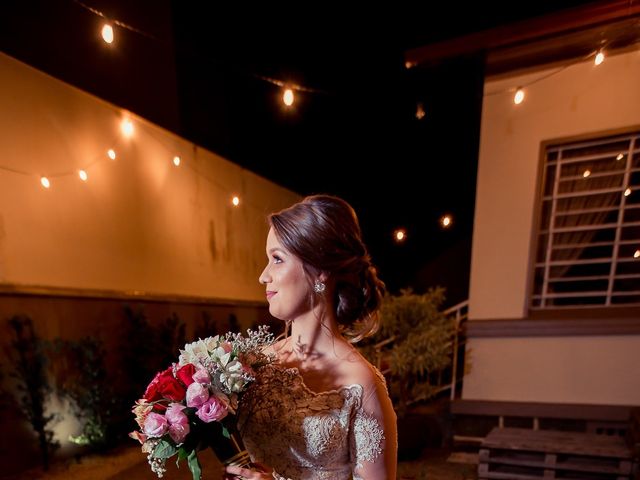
[[586, 173], [83, 175], [235, 201], [599, 58], [107, 33], [176, 161], [111, 154], [518, 98], [287, 97], [45, 182], [127, 127]]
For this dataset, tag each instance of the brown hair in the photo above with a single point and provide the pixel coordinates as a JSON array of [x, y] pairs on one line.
[[323, 231]]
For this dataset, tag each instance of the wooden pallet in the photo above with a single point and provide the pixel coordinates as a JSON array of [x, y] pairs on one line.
[[524, 454]]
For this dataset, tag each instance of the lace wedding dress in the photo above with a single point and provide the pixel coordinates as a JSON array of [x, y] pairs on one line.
[[301, 434]]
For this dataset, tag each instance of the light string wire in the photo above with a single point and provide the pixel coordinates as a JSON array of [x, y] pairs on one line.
[[264, 78], [602, 48]]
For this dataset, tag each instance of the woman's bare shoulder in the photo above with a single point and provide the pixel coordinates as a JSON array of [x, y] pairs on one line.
[[358, 370]]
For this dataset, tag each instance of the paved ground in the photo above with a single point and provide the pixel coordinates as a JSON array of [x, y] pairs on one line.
[[128, 463]]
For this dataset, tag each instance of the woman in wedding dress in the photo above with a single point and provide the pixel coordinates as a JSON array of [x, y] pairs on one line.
[[321, 411]]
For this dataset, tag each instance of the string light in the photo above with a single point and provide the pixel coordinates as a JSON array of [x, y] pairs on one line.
[[287, 97], [627, 192], [107, 33], [636, 254], [620, 156], [176, 161], [111, 154], [127, 127], [83, 175], [446, 221], [45, 182], [420, 113], [518, 98], [400, 235], [235, 201], [586, 173]]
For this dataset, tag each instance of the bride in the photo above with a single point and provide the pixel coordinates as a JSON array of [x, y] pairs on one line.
[[321, 411]]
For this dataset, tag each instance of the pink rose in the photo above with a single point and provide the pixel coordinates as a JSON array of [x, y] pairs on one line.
[[175, 414], [201, 376], [212, 410], [197, 394], [178, 432], [178, 422], [155, 425]]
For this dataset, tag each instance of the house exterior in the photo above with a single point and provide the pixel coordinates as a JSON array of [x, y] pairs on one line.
[[553, 327]]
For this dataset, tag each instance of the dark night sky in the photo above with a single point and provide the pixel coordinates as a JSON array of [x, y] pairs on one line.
[[356, 137]]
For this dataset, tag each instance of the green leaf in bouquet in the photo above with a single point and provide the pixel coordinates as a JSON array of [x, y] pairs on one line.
[[194, 465], [182, 454], [225, 432], [164, 449]]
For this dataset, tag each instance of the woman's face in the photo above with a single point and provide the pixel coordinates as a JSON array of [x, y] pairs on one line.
[[287, 287]]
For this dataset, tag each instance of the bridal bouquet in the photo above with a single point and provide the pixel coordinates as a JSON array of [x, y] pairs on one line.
[[192, 404]]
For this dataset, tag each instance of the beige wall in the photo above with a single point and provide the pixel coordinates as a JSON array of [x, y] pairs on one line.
[[139, 224], [580, 99], [594, 370]]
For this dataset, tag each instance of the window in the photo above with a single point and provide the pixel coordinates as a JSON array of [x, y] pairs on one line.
[[588, 248]]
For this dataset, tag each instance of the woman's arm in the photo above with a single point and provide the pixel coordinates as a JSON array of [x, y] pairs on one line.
[[374, 436]]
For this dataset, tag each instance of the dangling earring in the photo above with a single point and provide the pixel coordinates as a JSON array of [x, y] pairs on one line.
[[319, 286]]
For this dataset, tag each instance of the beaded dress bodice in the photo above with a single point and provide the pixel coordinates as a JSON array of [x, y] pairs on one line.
[[302, 434]]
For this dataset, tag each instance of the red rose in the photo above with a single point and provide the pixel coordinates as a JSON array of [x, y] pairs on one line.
[[185, 374], [165, 386]]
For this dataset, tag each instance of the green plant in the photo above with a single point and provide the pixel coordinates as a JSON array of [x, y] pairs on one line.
[[413, 346], [81, 377], [29, 367]]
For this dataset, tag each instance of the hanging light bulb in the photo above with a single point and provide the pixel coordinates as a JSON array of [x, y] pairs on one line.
[[107, 33], [599, 58], [45, 182], [519, 96], [83, 175], [400, 235], [287, 97], [176, 161], [446, 221], [235, 201]]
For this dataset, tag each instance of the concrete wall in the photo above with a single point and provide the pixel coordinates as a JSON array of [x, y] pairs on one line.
[[139, 223]]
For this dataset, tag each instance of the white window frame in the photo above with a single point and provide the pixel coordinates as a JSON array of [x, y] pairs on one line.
[[542, 297]]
